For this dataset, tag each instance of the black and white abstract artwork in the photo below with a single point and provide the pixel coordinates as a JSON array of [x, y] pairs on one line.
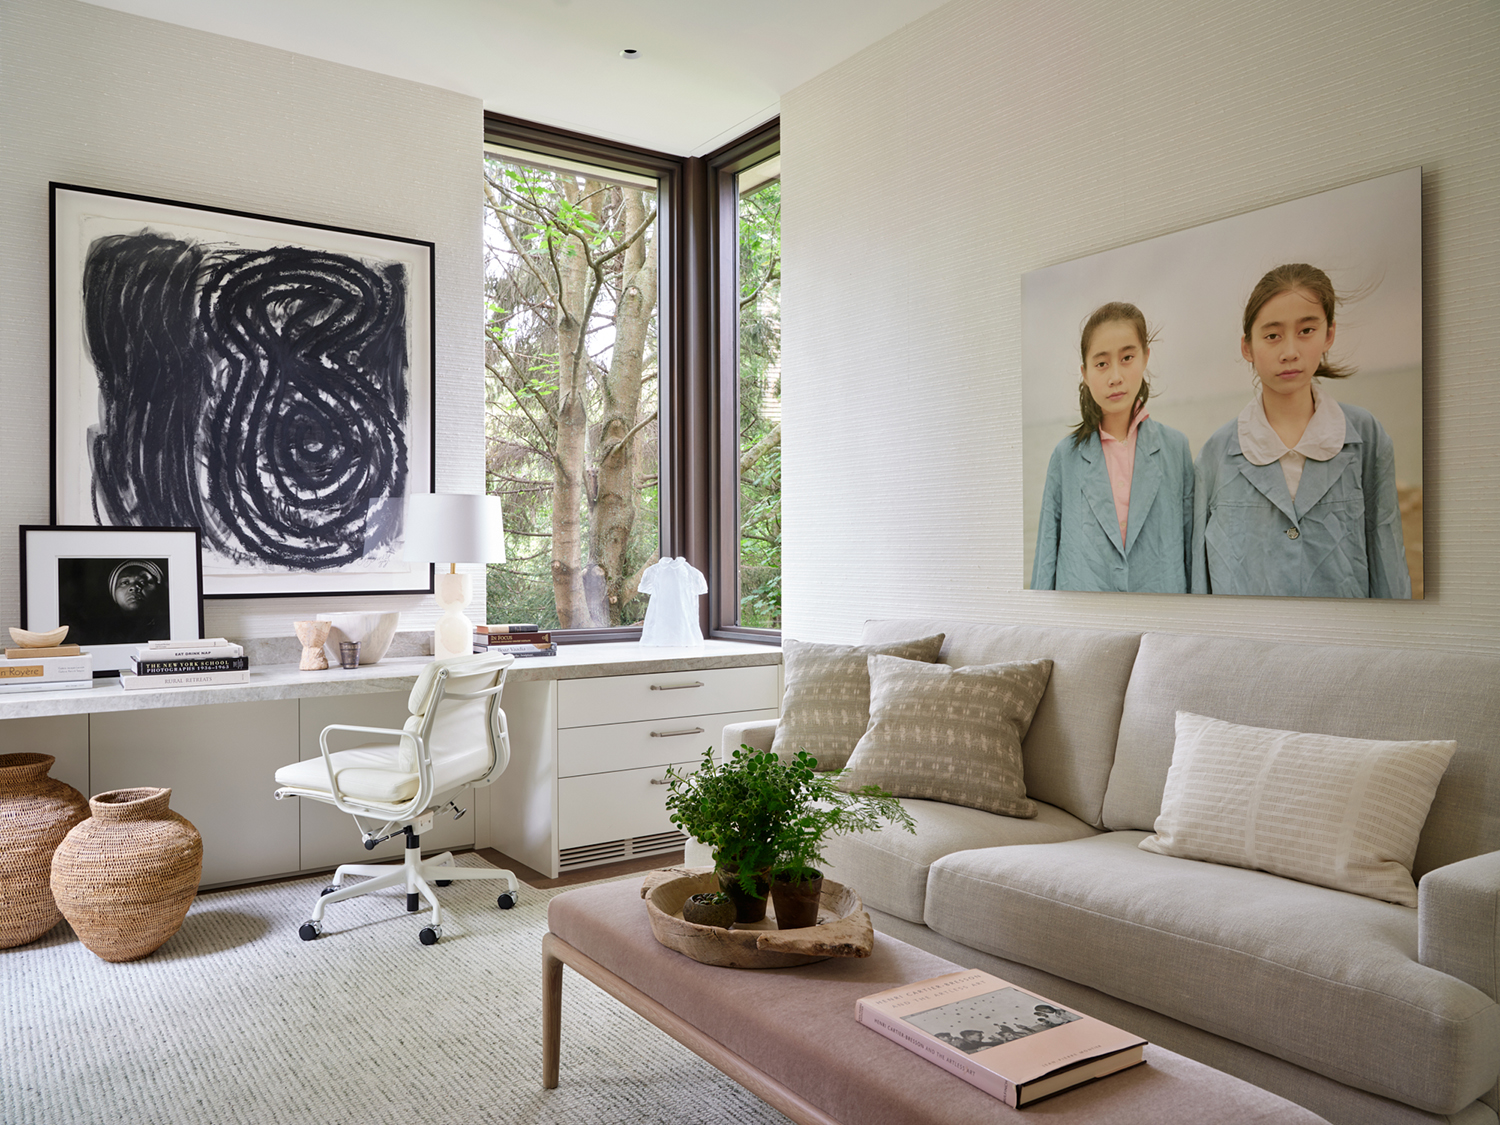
[[265, 381]]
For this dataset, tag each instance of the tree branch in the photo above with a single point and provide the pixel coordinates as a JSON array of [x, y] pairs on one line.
[[767, 443]]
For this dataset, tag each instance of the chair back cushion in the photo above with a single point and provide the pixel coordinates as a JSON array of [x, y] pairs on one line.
[[457, 733]]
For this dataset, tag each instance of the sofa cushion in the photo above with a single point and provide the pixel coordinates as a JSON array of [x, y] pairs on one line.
[[949, 734], [1339, 812], [826, 703], [888, 867], [1326, 980], [1345, 690], [1071, 744]]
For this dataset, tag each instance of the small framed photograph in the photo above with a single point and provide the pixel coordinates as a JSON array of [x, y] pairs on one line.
[[114, 587]]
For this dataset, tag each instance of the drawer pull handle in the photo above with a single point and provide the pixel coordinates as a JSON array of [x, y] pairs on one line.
[[675, 687], [658, 781], [675, 733]]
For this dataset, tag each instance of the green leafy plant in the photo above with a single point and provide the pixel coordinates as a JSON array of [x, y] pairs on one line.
[[762, 815]]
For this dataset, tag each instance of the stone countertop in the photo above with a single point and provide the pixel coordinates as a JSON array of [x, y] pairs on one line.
[[393, 673]]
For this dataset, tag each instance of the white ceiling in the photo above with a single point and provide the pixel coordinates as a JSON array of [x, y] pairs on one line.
[[708, 70]]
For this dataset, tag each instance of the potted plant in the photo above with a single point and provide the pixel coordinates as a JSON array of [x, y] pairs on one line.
[[762, 815]]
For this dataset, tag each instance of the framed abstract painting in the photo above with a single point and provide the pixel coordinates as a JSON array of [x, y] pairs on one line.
[[268, 382]]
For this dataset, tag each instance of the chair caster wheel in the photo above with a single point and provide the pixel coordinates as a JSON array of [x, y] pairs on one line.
[[443, 882], [328, 890], [309, 930], [430, 934], [507, 900]]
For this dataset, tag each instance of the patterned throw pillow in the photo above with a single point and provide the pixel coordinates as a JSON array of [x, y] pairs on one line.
[[949, 734], [826, 706], [1339, 812]]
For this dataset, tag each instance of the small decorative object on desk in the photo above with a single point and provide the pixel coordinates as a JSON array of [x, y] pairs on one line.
[[36, 812], [1010, 1043], [313, 635], [348, 654], [41, 662], [845, 930], [373, 632], [125, 877], [672, 614]]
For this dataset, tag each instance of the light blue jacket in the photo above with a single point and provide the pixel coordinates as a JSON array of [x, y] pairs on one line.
[[1340, 539], [1078, 541]]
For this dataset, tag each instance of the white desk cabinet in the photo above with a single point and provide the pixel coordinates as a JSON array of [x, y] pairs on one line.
[[587, 784]]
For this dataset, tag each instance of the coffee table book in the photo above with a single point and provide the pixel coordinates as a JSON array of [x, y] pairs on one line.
[[1010, 1043]]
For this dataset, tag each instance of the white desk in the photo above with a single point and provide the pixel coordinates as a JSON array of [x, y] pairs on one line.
[[217, 748]]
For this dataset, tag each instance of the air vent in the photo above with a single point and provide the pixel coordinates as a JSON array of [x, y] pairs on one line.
[[591, 855]]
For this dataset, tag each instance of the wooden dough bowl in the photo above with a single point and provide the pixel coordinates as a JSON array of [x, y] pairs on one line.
[[843, 928]]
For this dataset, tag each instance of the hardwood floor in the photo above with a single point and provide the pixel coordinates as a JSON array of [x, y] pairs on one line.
[[534, 878]]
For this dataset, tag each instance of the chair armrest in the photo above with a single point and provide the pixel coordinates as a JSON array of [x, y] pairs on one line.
[[1458, 921], [758, 734]]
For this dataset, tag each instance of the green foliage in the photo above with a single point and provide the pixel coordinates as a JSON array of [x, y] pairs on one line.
[[763, 815], [759, 406]]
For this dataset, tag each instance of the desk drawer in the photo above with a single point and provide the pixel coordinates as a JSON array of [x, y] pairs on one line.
[[613, 806], [626, 746], [626, 699]]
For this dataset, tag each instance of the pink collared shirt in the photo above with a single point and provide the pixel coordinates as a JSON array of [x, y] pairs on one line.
[[1119, 460]]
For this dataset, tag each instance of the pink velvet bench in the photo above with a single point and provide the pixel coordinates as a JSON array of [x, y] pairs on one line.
[[789, 1035]]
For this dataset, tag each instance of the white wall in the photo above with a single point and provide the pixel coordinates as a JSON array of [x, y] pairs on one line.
[[1022, 133], [94, 97]]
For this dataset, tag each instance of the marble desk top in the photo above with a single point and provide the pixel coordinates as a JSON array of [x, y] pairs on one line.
[[394, 673]]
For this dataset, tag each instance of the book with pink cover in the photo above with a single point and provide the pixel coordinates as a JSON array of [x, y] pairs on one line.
[[1011, 1043]]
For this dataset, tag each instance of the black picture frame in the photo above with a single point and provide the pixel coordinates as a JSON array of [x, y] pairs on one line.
[[267, 380], [114, 587]]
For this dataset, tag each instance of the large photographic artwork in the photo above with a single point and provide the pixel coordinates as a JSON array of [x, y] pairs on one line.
[[1235, 408], [265, 381]]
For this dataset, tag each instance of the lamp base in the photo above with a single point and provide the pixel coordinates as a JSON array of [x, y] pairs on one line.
[[454, 635]]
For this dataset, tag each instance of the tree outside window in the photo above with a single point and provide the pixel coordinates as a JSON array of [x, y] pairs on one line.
[[571, 390], [759, 276]]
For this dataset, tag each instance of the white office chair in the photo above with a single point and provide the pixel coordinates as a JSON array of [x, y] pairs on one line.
[[455, 739]]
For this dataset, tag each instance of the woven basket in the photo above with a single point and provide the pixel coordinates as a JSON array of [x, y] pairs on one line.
[[124, 878], [36, 812]]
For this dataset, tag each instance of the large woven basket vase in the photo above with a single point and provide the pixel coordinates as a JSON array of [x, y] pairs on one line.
[[36, 812], [124, 878]]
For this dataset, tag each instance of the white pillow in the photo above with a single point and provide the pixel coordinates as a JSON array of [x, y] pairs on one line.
[[1339, 812]]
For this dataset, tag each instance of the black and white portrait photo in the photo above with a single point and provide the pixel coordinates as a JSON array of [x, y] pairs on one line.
[[979, 1022], [114, 601]]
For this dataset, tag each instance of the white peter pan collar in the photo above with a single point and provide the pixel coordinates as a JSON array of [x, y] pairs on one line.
[[1322, 439]]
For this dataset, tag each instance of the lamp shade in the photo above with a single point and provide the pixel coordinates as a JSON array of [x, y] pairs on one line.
[[447, 527]]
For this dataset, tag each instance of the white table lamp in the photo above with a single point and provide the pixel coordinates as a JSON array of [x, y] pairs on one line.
[[444, 527]]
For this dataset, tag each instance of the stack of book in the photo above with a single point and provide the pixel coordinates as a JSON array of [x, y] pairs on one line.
[[46, 669], [517, 638], [211, 660]]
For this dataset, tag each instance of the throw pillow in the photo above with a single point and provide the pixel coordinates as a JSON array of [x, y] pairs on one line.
[[949, 734], [1339, 812], [826, 705]]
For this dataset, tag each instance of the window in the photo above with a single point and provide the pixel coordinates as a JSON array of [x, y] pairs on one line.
[[615, 435], [758, 311], [572, 388]]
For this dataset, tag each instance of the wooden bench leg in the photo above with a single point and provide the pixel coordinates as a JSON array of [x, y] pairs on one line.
[[552, 979]]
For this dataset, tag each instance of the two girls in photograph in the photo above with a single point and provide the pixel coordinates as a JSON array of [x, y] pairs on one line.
[[1294, 497]]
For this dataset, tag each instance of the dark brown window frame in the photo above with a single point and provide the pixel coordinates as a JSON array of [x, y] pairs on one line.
[[698, 334]]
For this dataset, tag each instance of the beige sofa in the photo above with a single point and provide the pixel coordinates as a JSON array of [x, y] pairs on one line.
[[1364, 1011]]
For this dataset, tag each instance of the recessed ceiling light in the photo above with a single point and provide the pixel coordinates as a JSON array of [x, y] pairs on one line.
[[630, 53]]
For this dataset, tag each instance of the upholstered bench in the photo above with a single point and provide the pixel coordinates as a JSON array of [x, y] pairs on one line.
[[789, 1035]]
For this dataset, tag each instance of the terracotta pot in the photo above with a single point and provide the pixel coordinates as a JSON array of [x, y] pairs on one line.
[[747, 908], [124, 878], [797, 903], [36, 812]]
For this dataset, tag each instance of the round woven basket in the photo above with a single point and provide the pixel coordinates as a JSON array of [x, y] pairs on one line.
[[124, 878], [36, 812]]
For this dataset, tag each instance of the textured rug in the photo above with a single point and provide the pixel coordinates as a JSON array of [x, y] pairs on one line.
[[235, 1019]]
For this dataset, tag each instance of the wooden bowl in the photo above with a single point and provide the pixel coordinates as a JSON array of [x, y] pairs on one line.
[[843, 928], [27, 639]]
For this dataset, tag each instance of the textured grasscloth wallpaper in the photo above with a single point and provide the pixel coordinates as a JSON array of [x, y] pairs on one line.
[[95, 97], [1022, 133]]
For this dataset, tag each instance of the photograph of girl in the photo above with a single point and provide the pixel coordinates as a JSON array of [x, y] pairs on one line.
[[1227, 446], [1117, 510]]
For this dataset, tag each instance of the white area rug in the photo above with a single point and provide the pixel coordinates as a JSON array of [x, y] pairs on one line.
[[237, 1020]]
